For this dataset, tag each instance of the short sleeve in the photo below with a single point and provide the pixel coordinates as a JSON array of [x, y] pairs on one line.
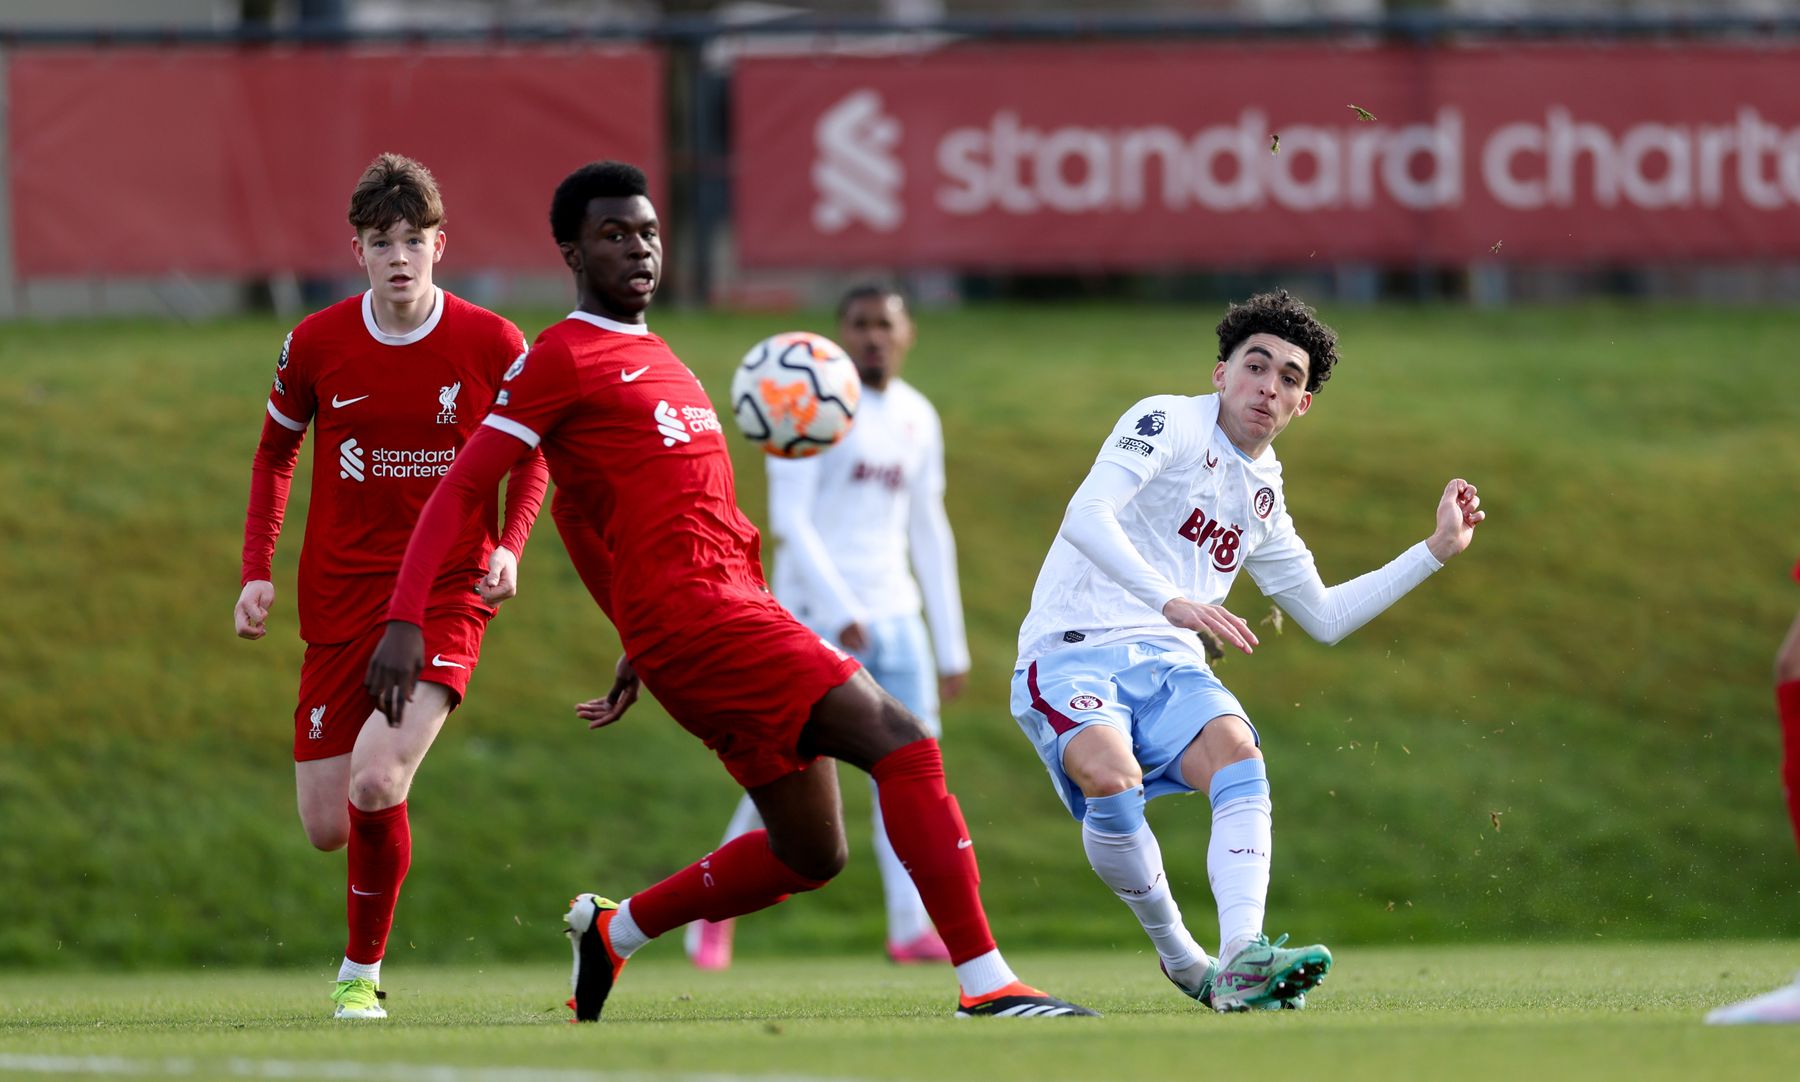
[[292, 402], [1149, 436], [536, 392]]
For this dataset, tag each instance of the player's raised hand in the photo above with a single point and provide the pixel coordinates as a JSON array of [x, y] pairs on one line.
[[1230, 628], [602, 712], [394, 668], [1458, 513], [253, 605], [502, 579]]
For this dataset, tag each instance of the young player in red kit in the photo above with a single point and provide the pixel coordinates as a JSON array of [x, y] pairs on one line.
[[646, 507], [1783, 1004], [394, 382]]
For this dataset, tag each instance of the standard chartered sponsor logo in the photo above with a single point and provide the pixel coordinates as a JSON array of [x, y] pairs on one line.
[[675, 424], [350, 461], [1555, 160], [356, 462], [669, 423], [856, 174]]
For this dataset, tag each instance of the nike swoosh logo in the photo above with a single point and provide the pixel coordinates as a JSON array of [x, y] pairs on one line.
[[438, 660], [629, 376], [964, 843], [364, 893], [338, 404]]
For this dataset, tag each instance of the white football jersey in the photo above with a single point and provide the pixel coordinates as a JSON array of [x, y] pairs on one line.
[[1207, 510], [875, 504]]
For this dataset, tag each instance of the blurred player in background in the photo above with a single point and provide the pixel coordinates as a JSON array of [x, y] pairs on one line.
[[864, 540], [394, 381], [1112, 685], [1783, 1004], [647, 510]]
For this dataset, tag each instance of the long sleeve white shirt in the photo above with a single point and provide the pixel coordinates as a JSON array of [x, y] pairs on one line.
[[860, 529]]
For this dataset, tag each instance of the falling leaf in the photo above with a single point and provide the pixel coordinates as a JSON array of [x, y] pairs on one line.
[[1495, 816], [1274, 618], [1214, 646], [1363, 114], [1274, 143], [1496, 246], [1406, 749]]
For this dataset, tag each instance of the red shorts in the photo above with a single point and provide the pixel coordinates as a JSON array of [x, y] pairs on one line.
[[334, 705], [746, 686]]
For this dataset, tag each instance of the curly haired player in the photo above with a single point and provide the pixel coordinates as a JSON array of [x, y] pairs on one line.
[[1112, 685]]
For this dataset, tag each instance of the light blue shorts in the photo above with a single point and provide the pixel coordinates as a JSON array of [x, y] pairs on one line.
[[1160, 697]]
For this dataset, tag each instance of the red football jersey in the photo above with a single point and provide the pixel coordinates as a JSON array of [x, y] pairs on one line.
[[390, 413], [632, 441]]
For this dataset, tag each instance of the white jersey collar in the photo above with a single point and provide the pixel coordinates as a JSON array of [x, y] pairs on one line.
[[610, 324], [407, 339]]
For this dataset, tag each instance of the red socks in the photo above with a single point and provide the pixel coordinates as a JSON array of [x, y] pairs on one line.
[[740, 877], [380, 853], [1787, 701], [928, 834]]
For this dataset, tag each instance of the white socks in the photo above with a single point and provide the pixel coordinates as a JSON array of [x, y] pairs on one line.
[[984, 973], [1131, 864], [1237, 865], [351, 971], [623, 932]]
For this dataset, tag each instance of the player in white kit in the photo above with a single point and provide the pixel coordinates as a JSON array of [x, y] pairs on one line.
[[1112, 684], [863, 542]]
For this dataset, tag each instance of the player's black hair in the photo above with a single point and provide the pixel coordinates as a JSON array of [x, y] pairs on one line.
[[880, 291], [1288, 318], [595, 180]]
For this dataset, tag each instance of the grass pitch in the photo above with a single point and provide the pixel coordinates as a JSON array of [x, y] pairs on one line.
[[1591, 1011]]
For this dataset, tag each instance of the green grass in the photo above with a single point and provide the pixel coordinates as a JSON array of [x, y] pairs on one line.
[[1592, 676], [1595, 1012]]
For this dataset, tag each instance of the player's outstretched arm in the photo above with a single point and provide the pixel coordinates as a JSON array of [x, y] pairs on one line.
[[525, 488], [1458, 513], [599, 713], [253, 605], [394, 669]]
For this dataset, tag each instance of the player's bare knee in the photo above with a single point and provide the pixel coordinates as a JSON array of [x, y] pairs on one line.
[[820, 858], [377, 787], [1104, 776], [326, 837], [1229, 739], [902, 725]]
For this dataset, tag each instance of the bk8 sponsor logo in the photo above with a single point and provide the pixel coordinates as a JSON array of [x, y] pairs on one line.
[[1210, 535]]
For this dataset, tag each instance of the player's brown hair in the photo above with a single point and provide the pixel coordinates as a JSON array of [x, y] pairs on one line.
[[1288, 318], [395, 188]]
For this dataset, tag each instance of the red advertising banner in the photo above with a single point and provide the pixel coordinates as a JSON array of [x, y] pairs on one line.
[[1130, 156], [238, 161]]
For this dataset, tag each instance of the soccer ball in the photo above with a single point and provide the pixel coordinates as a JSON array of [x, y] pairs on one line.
[[795, 394]]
